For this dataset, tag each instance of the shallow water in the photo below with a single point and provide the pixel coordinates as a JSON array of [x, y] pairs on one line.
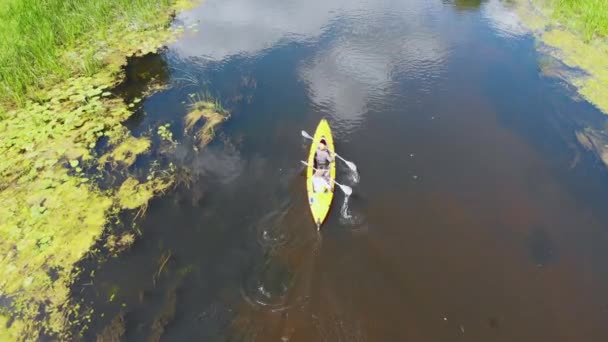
[[477, 214]]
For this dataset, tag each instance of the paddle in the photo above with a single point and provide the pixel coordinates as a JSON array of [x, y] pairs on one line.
[[347, 189], [350, 165]]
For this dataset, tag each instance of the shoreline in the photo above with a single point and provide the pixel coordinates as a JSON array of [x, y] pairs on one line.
[[52, 206], [584, 62], [573, 47]]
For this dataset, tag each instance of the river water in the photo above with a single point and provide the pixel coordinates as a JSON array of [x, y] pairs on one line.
[[477, 215]]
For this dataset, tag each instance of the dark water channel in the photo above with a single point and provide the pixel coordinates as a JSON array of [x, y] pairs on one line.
[[477, 216]]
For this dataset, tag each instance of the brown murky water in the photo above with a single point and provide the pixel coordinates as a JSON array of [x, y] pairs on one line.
[[477, 216]]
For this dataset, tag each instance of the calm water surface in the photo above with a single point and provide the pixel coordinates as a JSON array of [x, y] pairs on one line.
[[477, 215]]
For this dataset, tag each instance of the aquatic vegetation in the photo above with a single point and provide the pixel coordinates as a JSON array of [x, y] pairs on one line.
[[113, 292], [116, 245], [553, 68], [590, 57], [40, 217], [575, 32], [132, 194], [184, 271], [115, 330], [464, 5], [126, 152], [55, 108], [162, 262], [175, 279], [165, 133], [595, 141], [10, 330], [183, 177], [47, 201], [166, 314], [211, 113], [570, 33]]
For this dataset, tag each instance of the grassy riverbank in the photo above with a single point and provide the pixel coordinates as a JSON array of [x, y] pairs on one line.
[[58, 59], [576, 33], [587, 17], [44, 42]]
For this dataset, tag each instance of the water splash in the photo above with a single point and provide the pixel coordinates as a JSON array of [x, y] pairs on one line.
[[267, 286], [349, 218], [354, 177], [271, 233], [345, 215]]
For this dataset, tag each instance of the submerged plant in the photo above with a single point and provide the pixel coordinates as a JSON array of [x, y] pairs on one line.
[[165, 133], [211, 112], [115, 330], [118, 244], [126, 152], [132, 194]]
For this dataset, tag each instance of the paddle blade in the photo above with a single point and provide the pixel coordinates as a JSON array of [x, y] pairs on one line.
[[351, 165], [347, 190], [303, 162], [306, 135]]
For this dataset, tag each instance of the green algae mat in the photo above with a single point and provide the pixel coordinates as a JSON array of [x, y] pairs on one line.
[[574, 36], [52, 208]]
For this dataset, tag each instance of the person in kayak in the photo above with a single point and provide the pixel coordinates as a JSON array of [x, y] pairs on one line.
[[323, 156], [320, 181]]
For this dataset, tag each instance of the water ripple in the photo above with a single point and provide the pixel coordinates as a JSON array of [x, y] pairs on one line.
[[267, 286], [503, 19], [270, 232], [367, 61]]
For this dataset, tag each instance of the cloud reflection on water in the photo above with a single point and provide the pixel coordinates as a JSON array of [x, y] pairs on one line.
[[374, 46], [503, 19]]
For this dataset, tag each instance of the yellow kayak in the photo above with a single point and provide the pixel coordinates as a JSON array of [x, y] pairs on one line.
[[320, 201]]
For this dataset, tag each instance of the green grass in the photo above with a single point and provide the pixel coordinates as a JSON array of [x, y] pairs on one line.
[[40, 39], [587, 17], [57, 60]]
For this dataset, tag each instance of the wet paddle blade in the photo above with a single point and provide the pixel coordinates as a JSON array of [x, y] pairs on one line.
[[347, 189], [307, 136], [351, 165]]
